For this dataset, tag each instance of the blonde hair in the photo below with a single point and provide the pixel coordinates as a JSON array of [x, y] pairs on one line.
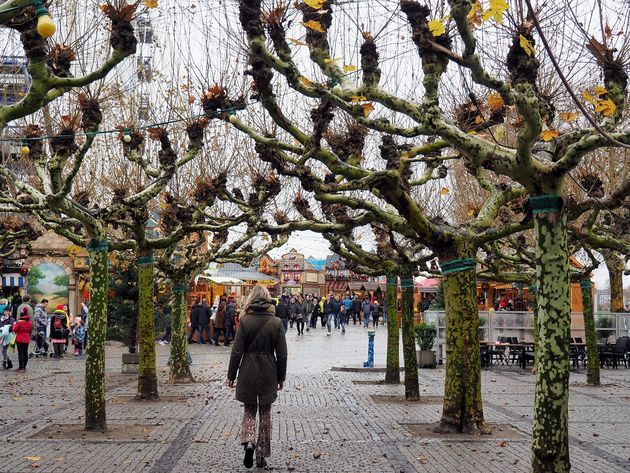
[[257, 293]]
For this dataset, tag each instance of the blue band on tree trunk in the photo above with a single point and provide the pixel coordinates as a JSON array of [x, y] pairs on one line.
[[458, 265], [97, 245], [546, 203]]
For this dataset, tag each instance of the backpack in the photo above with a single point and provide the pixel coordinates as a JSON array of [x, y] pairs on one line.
[[57, 325]]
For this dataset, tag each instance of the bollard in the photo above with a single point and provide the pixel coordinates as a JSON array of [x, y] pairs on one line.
[[370, 361]]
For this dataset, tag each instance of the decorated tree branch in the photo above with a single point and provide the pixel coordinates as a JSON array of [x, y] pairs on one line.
[[538, 163]]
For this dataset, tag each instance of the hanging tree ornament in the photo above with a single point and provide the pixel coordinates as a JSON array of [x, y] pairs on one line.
[[25, 150], [45, 26], [126, 136]]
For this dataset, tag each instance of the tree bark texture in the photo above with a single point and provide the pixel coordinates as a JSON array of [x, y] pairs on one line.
[[462, 410], [592, 367], [550, 442], [392, 370], [147, 371], [180, 369], [412, 387], [95, 414], [615, 265]]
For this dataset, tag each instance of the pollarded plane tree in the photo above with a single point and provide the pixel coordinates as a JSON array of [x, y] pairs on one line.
[[57, 160], [539, 163], [393, 255], [454, 243]]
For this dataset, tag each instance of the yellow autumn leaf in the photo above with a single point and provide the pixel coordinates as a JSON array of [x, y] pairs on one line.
[[590, 98], [444, 191], [548, 135], [349, 68], [499, 133], [315, 4], [329, 60], [495, 101], [478, 120], [297, 42], [606, 107], [367, 108], [33, 459], [495, 10], [436, 27], [475, 15], [471, 212], [151, 3], [357, 98], [526, 45], [569, 116], [600, 90], [304, 81], [314, 25]]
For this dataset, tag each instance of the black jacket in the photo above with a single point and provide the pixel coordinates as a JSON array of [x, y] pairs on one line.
[[194, 315], [356, 305], [204, 314], [282, 310]]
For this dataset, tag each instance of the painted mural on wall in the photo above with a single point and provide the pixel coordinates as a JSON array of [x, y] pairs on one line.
[[48, 281]]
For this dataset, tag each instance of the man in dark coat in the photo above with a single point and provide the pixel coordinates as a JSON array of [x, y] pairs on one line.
[[203, 322], [230, 314], [282, 312], [259, 354], [356, 309], [194, 319]]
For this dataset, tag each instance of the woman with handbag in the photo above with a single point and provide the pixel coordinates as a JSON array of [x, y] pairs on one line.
[[259, 355], [59, 331], [22, 330]]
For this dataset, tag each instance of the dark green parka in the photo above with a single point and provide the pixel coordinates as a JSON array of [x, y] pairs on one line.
[[259, 354]]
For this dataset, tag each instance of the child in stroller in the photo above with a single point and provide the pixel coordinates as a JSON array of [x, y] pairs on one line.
[[41, 346]]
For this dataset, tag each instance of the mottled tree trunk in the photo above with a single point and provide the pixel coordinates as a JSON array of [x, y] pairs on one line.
[[462, 410], [392, 371], [95, 415], [615, 265], [592, 367], [147, 372], [412, 387], [132, 343], [180, 369], [550, 442], [534, 291]]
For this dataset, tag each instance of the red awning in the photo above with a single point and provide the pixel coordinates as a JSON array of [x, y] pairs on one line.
[[336, 286]]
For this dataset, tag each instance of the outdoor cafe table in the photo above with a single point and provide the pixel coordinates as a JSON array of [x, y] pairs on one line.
[[520, 348]]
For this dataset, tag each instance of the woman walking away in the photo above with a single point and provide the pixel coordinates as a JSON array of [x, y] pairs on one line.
[[219, 324], [22, 329], [259, 354], [59, 331]]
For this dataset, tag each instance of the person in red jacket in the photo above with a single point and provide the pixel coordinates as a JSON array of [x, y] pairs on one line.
[[22, 328]]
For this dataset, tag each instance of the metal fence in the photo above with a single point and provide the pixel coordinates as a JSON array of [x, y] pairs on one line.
[[495, 324]]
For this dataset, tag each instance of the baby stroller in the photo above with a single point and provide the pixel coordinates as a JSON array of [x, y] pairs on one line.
[[41, 346]]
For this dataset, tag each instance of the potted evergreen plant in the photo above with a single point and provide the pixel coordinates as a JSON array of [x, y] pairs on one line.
[[425, 336]]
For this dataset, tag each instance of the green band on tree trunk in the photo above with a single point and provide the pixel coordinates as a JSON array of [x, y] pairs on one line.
[[145, 260], [392, 281], [546, 203], [458, 265], [97, 245], [533, 289], [585, 284], [180, 288], [406, 283]]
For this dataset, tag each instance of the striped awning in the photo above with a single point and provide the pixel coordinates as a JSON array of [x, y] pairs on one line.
[[12, 280], [336, 286]]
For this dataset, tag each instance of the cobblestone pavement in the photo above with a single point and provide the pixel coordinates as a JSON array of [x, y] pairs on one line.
[[324, 421]]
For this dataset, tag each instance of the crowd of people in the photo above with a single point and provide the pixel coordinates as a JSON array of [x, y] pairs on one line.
[[294, 310], [23, 321]]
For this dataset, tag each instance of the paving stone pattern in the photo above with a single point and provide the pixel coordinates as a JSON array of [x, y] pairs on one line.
[[322, 422]]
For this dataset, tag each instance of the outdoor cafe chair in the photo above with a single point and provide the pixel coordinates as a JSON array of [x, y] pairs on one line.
[[498, 352], [612, 355]]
